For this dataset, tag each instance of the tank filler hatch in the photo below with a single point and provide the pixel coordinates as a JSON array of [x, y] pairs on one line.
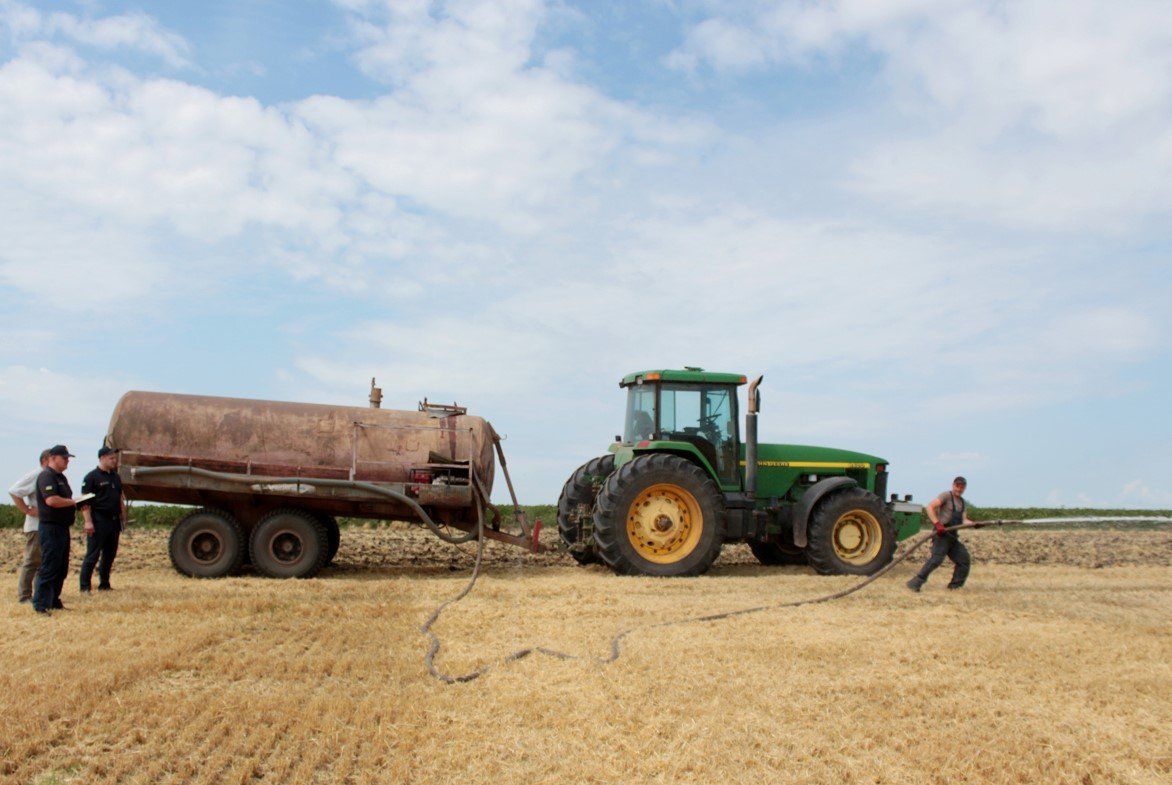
[[441, 410]]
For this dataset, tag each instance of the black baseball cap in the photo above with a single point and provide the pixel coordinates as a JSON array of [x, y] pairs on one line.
[[960, 481], [62, 450], [104, 451]]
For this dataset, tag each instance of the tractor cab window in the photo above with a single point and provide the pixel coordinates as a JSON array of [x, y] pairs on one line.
[[640, 414], [704, 417]]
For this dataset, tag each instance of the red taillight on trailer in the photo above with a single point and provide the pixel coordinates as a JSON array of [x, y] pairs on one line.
[[421, 476]]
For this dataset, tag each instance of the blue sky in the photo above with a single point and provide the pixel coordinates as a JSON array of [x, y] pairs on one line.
[[940, 229]]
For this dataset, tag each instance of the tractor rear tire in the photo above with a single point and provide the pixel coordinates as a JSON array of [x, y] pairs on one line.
[[773, 554], [850, 533], [207, 543], [289, 543], [577, 500], [659, 515]]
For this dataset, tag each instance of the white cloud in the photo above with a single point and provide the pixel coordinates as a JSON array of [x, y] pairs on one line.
[[106, 165], [35, 398], [477, 124], [1138, 491], [736, 289], [134, 31], [1028, 113], [104, 172]]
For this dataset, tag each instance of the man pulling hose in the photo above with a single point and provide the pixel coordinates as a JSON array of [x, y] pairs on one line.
[[946, 511]]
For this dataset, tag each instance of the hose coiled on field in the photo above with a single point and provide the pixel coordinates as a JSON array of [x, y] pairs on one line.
[[616, 641]]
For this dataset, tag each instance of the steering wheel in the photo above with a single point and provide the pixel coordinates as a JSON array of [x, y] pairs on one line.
[[710, 429]]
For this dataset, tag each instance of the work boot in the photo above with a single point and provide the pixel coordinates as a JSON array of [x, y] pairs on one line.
[[955, 586], [915, 583], [107, 587]]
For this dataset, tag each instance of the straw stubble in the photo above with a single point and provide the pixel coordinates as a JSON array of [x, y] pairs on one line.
[[1047, 673]]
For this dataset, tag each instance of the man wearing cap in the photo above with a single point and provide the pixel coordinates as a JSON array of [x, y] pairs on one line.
[[947, 510], [104, 516], [23, 494], [56, 511]]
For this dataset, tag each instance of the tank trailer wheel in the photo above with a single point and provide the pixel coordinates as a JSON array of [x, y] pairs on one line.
[[333, 536], [289, 543], [577, 503], [772, 554], [207, 543], [850, 533], [659, 515]]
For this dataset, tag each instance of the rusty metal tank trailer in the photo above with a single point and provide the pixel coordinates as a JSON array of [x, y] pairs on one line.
[[269, 478]]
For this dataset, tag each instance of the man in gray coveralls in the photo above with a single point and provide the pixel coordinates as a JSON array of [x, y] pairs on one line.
[[946, 510]]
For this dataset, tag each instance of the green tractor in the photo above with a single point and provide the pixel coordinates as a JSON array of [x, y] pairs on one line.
[[680, 482]]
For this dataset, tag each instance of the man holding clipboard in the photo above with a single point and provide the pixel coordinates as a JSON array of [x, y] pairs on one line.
[[104, 515], [56, 509]]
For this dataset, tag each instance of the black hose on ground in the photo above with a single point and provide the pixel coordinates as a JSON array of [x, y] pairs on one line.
[[616, 641]]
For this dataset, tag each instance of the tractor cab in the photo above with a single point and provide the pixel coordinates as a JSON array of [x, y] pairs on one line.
[[691, 411]]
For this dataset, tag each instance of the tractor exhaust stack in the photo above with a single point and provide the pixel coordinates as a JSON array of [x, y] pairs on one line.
[[751, 438]]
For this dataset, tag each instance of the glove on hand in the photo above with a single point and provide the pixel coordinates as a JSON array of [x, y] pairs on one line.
[[939, 528]]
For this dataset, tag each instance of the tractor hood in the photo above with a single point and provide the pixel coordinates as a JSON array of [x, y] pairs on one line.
[[802, 457]]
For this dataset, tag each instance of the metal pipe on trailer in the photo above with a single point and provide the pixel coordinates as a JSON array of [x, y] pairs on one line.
[[471, 529]]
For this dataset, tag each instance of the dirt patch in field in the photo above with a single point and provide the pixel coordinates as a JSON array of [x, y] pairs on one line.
[[399, 545]]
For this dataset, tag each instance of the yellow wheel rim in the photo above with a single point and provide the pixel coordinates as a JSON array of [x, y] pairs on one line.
[[857, 537], [664, 523]]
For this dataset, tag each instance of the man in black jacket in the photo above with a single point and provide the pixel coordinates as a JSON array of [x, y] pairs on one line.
[[55, 511], [104, 516]]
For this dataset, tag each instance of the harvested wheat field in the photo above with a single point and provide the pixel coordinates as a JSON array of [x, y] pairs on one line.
[[1039, 671]]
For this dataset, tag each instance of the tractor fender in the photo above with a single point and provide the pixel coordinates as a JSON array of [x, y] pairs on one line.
[[686, 451], [811, 498]]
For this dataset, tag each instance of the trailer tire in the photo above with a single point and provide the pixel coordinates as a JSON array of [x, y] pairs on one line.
[[773, 554], [578, 498], [333, 536], [207, 543], [289, 543], [850, 533], [659, 515]]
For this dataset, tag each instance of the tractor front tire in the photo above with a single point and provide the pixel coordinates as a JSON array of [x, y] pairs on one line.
[[773, 554], [659, 515], [850, 533], [577, 500]]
